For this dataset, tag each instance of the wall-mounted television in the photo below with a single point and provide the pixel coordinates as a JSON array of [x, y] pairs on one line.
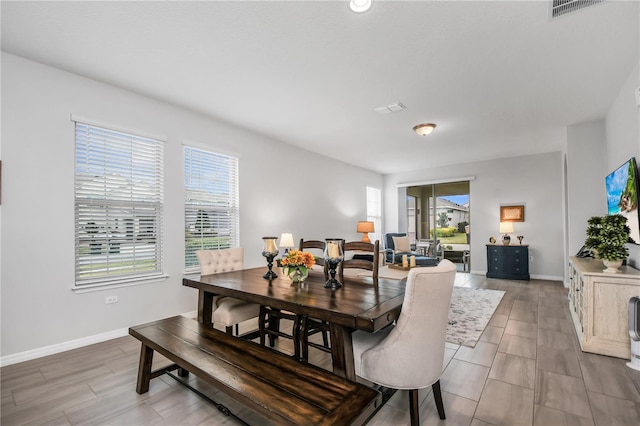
[[622, 196]]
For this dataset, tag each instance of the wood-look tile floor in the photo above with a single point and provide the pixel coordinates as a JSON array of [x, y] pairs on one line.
[[527, 369]]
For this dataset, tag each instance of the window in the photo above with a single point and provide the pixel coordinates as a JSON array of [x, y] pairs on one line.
[[118, 206], [211, 197], [374, 211]]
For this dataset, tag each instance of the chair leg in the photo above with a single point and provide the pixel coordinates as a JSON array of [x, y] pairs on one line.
[[414, 409], [274, 325], [437, 395], [237, 329], [229, 330], [304, 339], [296, 332], [262, 319], [325, 338]]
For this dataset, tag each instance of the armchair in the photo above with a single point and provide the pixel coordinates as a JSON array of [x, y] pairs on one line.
[[393, 254], [432, 248]]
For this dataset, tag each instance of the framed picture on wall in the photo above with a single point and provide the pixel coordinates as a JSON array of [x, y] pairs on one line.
[[511, 213]]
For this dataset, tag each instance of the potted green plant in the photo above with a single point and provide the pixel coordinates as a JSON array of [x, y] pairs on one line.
[[608, 236]]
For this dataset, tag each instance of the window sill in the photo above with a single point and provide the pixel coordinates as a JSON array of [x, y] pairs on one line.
[[87, 288]]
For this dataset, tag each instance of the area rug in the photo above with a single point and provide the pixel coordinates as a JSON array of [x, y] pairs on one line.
[[470, 312]]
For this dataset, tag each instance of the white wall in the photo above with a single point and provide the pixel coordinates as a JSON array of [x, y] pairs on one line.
[[623, 136], [282, 189], [532, 180], [586, 194], [594, 149]]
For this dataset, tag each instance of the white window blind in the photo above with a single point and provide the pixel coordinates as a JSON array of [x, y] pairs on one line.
[[118, 206], [211, 203], [374, 211]]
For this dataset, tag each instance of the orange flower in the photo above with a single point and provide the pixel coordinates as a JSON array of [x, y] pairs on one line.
[[298, 258]]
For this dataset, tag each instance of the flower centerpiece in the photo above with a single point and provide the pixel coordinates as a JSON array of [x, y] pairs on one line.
[[296, 265], [608, 235]]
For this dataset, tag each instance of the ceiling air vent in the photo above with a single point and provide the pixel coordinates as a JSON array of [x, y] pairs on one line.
[[564, 7]]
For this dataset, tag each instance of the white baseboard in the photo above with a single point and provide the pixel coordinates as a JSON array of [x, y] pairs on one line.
[[72, 344], [535, 277], [61, 347], [548, 278]]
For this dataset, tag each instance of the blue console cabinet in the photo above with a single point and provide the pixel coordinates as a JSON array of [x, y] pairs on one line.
[[508, 262]]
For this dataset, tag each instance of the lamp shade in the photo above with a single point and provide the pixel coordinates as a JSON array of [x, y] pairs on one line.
[[506, 227], [424, 129], [286, 240], [364, 226]]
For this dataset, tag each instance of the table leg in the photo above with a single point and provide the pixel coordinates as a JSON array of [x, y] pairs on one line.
[[205, 308], [342, 351]]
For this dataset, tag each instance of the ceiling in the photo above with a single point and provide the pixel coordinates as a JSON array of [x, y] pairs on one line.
[[498, 78]]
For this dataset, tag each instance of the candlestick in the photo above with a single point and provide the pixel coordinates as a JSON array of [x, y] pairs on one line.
[[405, 262], [412, 261], [270, 251], [333, 257]]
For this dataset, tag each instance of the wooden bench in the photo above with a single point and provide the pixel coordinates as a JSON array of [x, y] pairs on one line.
[[272, 384]]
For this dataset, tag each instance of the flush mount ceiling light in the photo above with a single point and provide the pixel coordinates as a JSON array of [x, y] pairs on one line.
[[360, 6], [424, 129]]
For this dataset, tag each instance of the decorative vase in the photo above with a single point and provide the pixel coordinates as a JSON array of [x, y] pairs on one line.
[[295, 274], [612, 265]]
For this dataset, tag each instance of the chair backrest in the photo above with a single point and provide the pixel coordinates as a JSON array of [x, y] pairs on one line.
[[388, 240], [315, 247], [370, 263], [435, 249], [410, 357], [223, 260]]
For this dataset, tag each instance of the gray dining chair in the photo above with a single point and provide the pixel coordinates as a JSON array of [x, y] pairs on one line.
[[409, 354], [227, 311]]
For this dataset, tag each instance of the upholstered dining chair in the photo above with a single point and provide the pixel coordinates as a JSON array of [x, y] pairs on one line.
[[409, 354], [227, 311]]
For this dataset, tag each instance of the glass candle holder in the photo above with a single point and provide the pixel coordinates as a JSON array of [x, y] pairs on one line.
[[333, 256], [270, 251]]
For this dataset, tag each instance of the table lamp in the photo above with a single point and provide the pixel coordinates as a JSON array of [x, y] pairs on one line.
[[505, 228], [286, 242], [365, 227]]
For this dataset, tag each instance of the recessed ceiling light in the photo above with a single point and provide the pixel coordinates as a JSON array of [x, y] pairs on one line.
[[360, 6], [424, 129]]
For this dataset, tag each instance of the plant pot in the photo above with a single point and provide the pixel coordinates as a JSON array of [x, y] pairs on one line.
[[613, 266]]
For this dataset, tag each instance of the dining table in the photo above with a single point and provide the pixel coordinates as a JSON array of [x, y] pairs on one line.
[[358, 305]]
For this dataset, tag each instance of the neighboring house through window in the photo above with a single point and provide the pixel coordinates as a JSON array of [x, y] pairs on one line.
[[118, 206], [211, 199]]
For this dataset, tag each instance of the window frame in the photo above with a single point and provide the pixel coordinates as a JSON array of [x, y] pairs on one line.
[[119, 189], [374, 205], [218, 168]]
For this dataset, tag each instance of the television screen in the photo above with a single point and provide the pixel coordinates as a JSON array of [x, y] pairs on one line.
[[622, 196]]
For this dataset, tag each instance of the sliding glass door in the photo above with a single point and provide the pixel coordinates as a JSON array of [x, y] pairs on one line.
[[440, 211]]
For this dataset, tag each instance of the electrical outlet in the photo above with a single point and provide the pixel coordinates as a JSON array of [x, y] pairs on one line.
[[111, 299], [531, 258]]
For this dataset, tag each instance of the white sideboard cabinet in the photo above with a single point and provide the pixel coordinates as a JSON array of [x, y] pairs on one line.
[[599, 305]]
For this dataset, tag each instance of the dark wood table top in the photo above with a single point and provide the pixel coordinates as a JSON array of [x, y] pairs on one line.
[[357, 305]]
